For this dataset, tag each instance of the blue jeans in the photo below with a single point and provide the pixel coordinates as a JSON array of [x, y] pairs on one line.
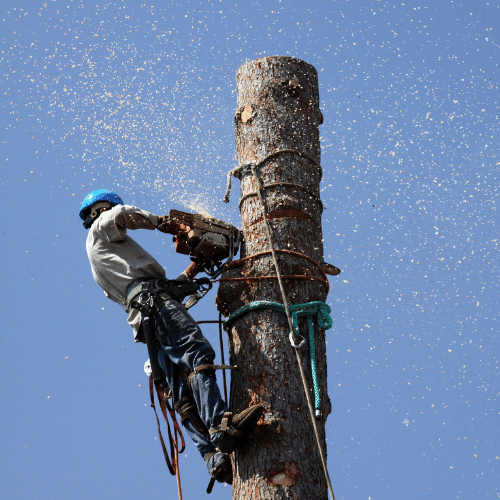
[[183, 348]]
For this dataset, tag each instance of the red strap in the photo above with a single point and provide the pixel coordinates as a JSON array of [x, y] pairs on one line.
[[172, 465], [164, 405]]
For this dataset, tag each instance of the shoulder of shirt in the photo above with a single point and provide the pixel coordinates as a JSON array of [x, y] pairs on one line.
[[123, 208], [116, 210]]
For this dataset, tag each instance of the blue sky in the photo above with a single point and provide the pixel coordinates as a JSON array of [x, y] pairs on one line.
[[140, 98]]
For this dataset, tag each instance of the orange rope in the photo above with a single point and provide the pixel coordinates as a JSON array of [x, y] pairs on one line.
[[291, 252], [294, 277], [324, 280]]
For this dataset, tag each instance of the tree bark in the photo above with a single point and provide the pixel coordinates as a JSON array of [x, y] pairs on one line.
[[277, 109]]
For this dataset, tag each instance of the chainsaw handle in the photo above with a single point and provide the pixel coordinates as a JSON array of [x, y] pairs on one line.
[[166, 225]]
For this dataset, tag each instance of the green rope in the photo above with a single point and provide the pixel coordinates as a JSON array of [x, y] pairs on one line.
[[309, 310]]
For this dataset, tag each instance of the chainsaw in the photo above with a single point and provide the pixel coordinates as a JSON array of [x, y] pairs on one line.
[[207, 240]]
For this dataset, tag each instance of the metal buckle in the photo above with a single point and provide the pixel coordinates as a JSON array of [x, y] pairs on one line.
[[292, 341]]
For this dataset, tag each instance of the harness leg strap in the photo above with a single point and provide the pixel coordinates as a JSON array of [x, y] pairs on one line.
[[186, 408], [207, 367]]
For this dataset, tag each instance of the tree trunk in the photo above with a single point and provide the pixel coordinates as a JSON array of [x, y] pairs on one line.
[[277, 109]]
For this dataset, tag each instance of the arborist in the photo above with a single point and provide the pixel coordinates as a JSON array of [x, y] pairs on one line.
[[124, 270]]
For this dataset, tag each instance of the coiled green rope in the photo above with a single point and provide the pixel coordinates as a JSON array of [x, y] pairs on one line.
[[309, 310]]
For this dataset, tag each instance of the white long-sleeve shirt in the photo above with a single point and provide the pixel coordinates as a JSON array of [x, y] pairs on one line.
[[116, 259]]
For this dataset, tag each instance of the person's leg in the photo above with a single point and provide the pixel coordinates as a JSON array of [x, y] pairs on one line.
[[218, 464], [185, 346], [177, 384]]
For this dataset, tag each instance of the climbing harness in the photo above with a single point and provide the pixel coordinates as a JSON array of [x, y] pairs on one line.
[[310, 311], [293, 334], [148, 295], [155, 291], [144, 302]]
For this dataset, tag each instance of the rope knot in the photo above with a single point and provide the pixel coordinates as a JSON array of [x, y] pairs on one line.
[[310, 310], [236, 172]]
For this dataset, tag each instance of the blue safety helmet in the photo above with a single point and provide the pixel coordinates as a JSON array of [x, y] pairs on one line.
[[96, 196]]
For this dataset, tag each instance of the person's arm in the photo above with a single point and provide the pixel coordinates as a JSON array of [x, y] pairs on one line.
[[115, 222], [133, 218], [190, 272]]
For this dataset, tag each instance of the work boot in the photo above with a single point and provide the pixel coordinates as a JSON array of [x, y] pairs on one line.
[[234, 429], [219, 467]]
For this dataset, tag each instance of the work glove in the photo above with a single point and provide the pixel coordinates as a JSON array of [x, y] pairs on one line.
[[164, 224], [201, 261], [204, 281]]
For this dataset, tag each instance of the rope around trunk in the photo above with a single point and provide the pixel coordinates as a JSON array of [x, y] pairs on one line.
[[238, 171], [309, 310], [288, 314], [236, 263]]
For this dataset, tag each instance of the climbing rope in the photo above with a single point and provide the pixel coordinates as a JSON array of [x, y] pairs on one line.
[[221, 341], [273, 251], [293, 335], [311, 194], [238, 171], [310, 311], [222, 359]]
